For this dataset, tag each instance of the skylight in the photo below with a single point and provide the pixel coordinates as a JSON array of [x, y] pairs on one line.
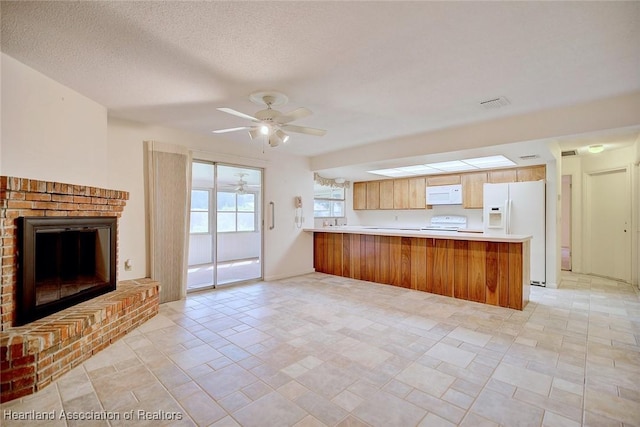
[[451, 166]]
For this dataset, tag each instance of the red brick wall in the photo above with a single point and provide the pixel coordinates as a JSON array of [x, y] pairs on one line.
[[34, 355], [30, 197]]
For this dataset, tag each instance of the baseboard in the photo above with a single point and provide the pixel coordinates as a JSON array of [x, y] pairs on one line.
[[288, 275]]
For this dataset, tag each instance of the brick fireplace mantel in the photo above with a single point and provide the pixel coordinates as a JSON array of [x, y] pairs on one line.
[[35, 354]]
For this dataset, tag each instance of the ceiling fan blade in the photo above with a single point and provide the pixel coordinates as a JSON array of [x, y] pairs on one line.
[[296, 114], [230, 129], [304, 129], [237, 113]]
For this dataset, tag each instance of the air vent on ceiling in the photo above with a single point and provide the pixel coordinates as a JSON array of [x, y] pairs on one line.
[[493, 103], [530, 157], [569, 153]]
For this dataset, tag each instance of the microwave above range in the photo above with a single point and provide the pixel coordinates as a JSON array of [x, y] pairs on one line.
[[444, 195]]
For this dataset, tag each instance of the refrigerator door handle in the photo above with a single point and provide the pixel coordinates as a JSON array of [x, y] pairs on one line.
[[508, 211]]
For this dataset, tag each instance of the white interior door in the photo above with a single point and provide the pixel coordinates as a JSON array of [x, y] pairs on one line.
[[609, 224]]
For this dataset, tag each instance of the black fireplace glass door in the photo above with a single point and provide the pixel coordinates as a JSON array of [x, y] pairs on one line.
[[69, 262]]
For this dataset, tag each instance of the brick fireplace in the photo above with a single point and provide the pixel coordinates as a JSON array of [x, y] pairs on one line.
[[39, 352]]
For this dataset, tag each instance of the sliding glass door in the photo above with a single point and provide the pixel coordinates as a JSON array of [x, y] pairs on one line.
[[225, 241]]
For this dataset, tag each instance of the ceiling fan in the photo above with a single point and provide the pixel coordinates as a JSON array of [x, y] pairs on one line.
[[242, 186], [271, 123]]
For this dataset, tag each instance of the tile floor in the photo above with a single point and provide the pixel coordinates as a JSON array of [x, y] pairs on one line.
[[321, 350], [201, 276]]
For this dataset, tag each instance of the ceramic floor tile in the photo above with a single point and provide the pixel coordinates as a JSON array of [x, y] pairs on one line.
[[364, 354], [523, 378], [451, 354], [225, 381], [426, 379], [324, 410], [272, 410], [506, 411], [612, 407], [383, 409], [202, 409]]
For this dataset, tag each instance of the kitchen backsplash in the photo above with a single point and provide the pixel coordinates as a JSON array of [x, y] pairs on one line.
[[412, 218]]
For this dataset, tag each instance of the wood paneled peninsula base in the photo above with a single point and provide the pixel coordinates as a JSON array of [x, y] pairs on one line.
[[471, 266]]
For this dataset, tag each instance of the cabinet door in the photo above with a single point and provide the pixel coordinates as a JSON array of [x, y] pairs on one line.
[[500, 176], [534, 173], [472, 189], [434, 181], [401, 194], [386, 194], [359, 195], [373, 195], [417, 193]]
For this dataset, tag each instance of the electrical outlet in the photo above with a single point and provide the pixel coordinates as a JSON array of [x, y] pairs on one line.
[[127, 265]]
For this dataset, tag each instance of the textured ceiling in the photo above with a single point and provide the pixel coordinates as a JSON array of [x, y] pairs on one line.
[[368, 71]]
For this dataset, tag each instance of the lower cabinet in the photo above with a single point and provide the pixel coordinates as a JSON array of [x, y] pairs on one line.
[[487, 272]]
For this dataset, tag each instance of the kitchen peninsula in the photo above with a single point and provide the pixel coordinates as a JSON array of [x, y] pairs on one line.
[[471, 266]]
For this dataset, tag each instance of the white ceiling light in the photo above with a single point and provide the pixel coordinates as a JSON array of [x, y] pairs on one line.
[[254, 133], [396, 173], [599, 148], [490, 162], [283, 136], [264, 129], [419, 169], [443, 167], [453, 166]]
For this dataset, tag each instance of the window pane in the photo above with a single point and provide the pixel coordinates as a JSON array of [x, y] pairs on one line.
[[337, 193], [199, 200], [226, 221], [199, 222], [321, 208], [326, 192], [246, 221], [226, 201], [337, 209], [246, 202]]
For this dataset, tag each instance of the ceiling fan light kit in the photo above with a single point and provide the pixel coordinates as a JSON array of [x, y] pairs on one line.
[[269, 122]]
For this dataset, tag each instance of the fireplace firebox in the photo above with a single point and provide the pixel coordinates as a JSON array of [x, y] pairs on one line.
[[63, 261]]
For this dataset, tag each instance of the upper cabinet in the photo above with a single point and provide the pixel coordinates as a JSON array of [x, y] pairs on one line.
[[359, 195], [533, 173], [434, 181], [386, 194], [417, 193], [472, 189], [373, 195], [410, 193], [401, 193], [502, 175]]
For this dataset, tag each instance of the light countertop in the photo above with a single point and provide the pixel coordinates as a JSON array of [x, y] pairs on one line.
[[418, 232]]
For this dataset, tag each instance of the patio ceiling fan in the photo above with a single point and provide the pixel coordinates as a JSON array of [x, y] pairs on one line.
[[271, 123]]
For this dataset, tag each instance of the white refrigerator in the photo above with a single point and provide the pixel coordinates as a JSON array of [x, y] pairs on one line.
[[519, 208]]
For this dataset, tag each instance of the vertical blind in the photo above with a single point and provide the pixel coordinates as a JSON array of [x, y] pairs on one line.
[[169, 188]]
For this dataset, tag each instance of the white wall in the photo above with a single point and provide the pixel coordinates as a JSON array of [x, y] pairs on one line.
[[288, 251], [413, 217], [553, 224], [578, 167], [50, 132]]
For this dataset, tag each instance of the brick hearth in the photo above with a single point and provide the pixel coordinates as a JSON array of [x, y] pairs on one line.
[[35, 354]]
